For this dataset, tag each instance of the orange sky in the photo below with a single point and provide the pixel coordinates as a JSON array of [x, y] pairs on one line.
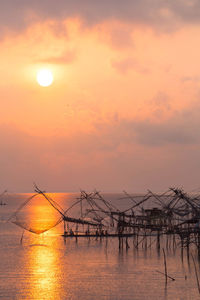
[[123, 111]]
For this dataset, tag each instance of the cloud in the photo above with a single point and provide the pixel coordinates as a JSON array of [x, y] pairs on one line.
[[181, 128], [65, 58], [116, 154], [25, 158], [170, 132], [18, 14], [128, 64], [190, 79], [118, 35]]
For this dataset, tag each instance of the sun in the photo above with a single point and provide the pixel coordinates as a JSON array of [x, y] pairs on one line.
[[44, 77]]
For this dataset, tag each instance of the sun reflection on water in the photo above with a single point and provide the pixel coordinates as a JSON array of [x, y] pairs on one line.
[[43, 263]]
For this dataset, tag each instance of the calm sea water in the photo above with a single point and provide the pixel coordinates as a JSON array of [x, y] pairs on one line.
[[48, 267]]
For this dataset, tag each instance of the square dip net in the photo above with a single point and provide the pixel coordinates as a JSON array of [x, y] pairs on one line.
[[38, 214]]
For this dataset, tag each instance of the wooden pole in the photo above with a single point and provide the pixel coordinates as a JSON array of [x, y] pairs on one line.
[[165, 265], [21, 240]]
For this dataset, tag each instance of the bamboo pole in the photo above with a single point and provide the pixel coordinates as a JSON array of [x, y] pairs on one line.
[[165, 265]]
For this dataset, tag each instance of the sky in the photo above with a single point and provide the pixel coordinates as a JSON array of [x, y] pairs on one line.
[[123, 112]]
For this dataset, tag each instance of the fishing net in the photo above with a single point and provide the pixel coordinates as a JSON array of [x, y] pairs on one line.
[[92, 207], [38, 214]]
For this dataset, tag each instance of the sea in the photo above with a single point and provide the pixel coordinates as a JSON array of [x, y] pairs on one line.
[[49, 266]]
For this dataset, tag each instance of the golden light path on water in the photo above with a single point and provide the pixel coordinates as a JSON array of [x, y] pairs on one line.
[[43, 261]]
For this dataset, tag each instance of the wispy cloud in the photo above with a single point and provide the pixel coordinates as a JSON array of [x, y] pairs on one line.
[[65, 58], [128, 64]]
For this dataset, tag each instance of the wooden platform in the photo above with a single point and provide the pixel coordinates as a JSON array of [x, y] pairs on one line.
[[98, 235]]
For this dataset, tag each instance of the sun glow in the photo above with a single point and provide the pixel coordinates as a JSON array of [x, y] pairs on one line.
[[44, 77]]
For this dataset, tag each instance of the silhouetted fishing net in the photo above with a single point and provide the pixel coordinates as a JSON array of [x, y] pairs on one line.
[[93, 208], [38, 214]]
